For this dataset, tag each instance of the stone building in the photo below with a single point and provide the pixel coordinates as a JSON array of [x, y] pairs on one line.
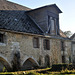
[[31, 38], [73, 48]]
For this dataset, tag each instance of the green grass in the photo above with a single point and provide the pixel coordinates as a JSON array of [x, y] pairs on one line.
[[41, 72]]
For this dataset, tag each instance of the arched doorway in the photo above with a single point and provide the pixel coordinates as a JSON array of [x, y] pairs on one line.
[[29, 64], [4, 64], [47, 61]]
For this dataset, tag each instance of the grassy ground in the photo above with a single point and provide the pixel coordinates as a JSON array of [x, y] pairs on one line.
[[45, 71]]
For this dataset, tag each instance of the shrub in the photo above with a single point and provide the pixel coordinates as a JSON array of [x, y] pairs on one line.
[[59, 67], [71, 67]]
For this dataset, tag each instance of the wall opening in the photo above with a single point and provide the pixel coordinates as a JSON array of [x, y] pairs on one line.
[[29, 64], [47, 61], [4, 64], [63, 59]]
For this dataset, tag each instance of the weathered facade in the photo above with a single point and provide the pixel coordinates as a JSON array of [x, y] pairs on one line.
[[73, 48], [31, 38]]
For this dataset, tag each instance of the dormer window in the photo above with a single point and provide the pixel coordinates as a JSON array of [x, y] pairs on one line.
[[52, 25], [1, 38]]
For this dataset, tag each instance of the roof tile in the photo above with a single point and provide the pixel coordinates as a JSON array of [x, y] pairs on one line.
[[18, 21]]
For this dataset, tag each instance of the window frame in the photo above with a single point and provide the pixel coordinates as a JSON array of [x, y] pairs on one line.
[[62, 46], [63, 59], [53, 27], [1, 38], [46, 44], [35, 42]]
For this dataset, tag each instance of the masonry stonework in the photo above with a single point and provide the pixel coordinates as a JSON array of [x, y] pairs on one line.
[[24, 44], [18, 28]]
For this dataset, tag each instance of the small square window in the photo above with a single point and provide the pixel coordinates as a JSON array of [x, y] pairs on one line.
[[46, 44], [1, 38], [36, 42]]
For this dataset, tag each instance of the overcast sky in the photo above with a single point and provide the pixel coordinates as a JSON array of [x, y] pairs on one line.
[[67, 18]]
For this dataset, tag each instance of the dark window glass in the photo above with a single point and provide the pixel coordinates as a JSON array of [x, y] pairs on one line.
[[62, 45], [1, 38], [63, 59], [46, 44]]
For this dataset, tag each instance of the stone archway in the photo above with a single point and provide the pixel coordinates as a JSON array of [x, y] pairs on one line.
[[47, 61], [4, 63], [30, 63]]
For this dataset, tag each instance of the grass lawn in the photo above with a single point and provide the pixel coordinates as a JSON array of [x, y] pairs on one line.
[[45, 71]]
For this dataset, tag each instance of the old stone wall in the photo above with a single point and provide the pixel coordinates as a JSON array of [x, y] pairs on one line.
[[67, 51], [73, 50], [21, 45]]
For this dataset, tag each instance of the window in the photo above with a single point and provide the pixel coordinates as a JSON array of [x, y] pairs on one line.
[[63, 59], [52, 25], [1, 38], [46, 44], [62, 46], [36, 42]]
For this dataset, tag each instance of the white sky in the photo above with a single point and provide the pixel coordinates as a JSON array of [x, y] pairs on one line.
[[67, 18]]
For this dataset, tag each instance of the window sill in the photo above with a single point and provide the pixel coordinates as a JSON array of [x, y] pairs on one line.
[[2, 44]]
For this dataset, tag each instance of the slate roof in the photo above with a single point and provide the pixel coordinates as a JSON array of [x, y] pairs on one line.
[[18, 21], [7, 5]]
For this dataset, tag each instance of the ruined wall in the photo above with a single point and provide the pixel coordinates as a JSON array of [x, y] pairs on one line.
[[73, 50], [56, 51], [67, 51], [73, 53], [22, 44]]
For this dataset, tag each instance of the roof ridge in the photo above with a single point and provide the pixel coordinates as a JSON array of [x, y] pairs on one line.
[[47, 6]]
